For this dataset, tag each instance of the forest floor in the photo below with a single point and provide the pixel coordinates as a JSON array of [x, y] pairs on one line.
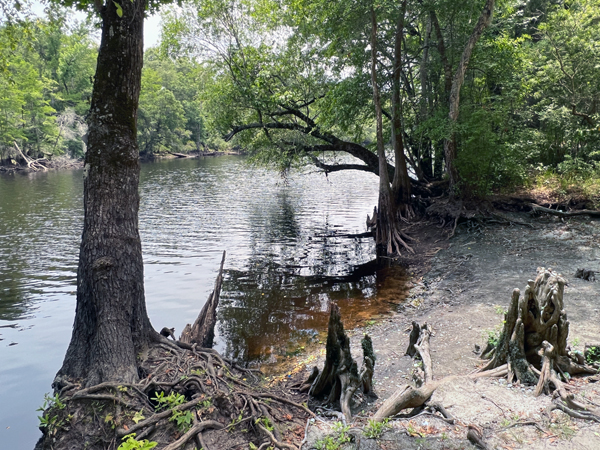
[[463, 296]]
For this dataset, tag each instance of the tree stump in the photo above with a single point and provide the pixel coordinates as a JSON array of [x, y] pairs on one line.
[[340, 377], [202, 332], [532, 347], [531, 320]]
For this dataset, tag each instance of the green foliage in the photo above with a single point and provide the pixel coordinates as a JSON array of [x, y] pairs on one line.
[[45, 89], [172, 112], [375, 429], [336, 441], [52, 419], [593, 355], [183, 419], [130, 443]]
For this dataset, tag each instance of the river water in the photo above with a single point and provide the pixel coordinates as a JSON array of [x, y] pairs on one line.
[[288, 256]]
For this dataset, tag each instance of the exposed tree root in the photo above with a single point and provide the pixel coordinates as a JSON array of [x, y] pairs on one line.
[[416, 397], [210, 405], [390, 237], [188, 396], [537, 209]]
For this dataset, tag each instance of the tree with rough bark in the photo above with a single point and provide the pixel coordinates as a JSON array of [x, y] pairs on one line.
[[111, 325], [389, 211]]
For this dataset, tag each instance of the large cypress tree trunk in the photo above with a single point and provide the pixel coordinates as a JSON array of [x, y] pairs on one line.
[[111, 323], [388, 237]]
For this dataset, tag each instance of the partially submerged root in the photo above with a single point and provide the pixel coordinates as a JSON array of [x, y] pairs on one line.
[[340, 377], [390, 238], [532, 347]]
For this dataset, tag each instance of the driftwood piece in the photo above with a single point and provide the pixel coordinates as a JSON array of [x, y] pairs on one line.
[[179, 155], [34, 164], [202, 332], [406, 397], [416, 397], [340, 378], [422, 347], [583, 212]]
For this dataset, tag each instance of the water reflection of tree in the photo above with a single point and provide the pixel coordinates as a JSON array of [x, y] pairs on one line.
[[296, 266], [268, 309]]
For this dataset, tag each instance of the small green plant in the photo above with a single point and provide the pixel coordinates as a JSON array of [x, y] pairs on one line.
[[266, 422], [375, 429], [342, 431], [52, 402], [50, 419], [575, 342], [234, 421], [592, 355], [335, 442], [183, 419], [500, 310], [492, 337], [327, 443], [130, 443], [138, 417], [206, 403]]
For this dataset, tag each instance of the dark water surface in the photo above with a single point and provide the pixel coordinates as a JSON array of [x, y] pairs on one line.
[[287, 259]]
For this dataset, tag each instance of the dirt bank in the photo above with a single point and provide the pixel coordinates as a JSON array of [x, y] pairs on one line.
[[463, 297]]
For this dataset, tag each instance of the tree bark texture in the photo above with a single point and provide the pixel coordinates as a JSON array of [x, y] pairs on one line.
[[111, 323], [450, 150], [400, 182]]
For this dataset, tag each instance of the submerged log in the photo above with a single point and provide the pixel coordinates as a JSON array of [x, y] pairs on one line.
[[340, 378], [202, 332]]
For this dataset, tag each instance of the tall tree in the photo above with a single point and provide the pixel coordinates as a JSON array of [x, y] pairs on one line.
[[401, 182], [387, 233], [111, 323], [457, 81]]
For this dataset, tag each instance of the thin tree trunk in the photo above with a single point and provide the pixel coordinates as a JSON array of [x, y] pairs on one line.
[[424, 158], [450, 149], [401, 182], [111, 323]]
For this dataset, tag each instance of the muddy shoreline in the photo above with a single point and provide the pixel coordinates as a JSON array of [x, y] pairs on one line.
[[463, 296]]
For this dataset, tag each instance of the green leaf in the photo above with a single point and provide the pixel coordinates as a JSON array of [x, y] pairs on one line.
[[119, 9]]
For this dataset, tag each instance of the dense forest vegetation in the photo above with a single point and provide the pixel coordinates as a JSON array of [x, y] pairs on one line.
[[292, 82]]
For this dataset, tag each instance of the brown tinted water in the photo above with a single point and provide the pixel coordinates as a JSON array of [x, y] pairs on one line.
[[288, 257]]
